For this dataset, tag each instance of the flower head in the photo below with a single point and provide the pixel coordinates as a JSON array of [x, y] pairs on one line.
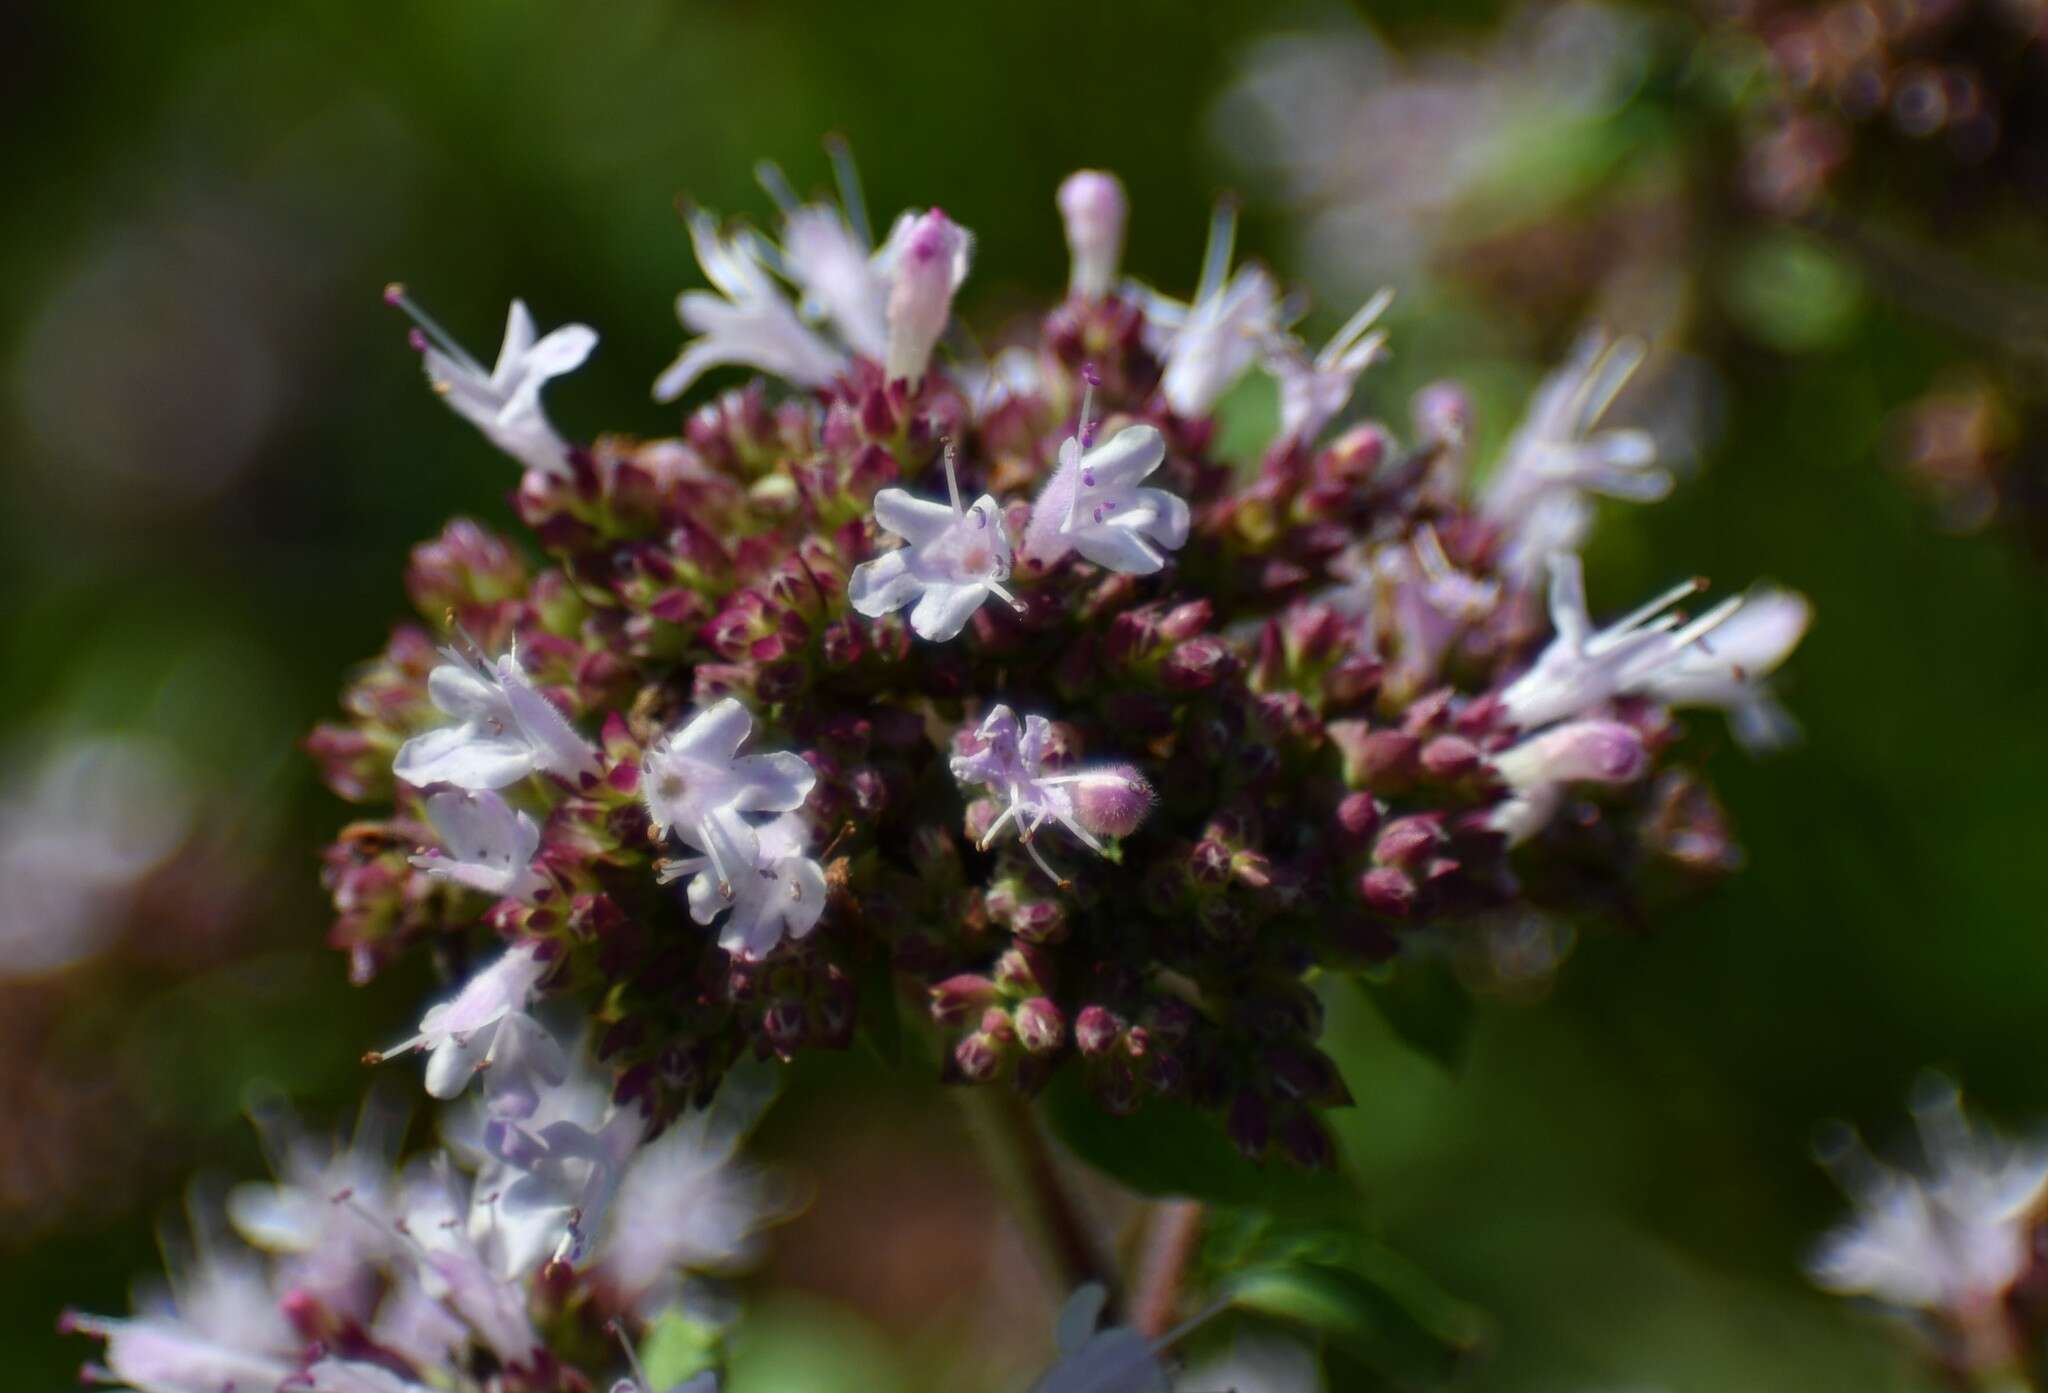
[[486, 844], [505, 730], [953, 558], [749, 322], [504, 403]]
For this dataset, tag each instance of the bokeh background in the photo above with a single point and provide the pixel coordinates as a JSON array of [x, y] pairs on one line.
[[215, 451]]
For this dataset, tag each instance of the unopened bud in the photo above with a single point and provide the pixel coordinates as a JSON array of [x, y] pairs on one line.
[[1092, 204], [1387, 891], [929, 268], [1041, 1028], [958, 998], [1604, 752], [1096, 1030], [1406, 840], [1112, 802], [1449, 757]]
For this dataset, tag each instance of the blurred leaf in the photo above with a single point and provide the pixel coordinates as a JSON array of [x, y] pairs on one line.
[[677, 1348], [1247, 418], [1424, 1003], [1380, 1311], [1171, 1149], [1792, 291], [881, 1023]]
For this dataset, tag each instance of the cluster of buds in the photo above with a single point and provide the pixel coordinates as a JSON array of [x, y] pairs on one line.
[[494, 1263], [1063, 725], [1957, 76]]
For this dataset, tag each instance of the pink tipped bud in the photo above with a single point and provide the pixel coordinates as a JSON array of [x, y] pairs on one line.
[[1112, 802], [929, 268], [1096, 1030], [1040, 1026], [1443, 414], [1093, 206], [1603, 752], [957, 998], [1388, 891]]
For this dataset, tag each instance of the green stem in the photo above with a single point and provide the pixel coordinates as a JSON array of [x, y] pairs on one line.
[[1022, 1164]]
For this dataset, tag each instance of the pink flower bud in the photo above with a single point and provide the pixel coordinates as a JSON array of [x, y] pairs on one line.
[[1112, 802], [1040, 1026], [1093, 206], [1604, 752], [929, 268], [1388, 891], [1096, 1030]]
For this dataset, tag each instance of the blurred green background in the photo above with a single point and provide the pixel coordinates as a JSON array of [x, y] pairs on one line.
[[217, 450]]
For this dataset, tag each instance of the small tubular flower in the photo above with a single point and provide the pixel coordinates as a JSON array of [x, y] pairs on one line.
[[1314, 390], [505, 730], [927, 267], [1538, 769], [486, 844], [1559, 454], [1655, 651], [761, 874], [697, 770], [1094, 209], [504, 403], [749, 322], [461, 1035], [1094, 504], [1209, 344], [953, 558], [1008, 759]]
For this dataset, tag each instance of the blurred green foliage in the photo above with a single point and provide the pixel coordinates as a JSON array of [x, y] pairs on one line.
[[218, 449]]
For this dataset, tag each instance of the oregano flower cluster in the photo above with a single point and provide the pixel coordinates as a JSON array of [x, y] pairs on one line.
[[905, 678]]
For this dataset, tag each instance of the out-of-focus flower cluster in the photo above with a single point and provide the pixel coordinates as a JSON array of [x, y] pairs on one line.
[[1951, 1246], [988, 684], [506, 1259]]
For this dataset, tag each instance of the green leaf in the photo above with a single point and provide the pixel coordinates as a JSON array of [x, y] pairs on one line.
[[881, 1023], [1377, 1310], [1427, 1007], [1168, 1149], [676, 1350]]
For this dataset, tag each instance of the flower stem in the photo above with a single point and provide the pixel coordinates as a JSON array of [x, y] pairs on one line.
[[1022, 1163], [1172, 1235]]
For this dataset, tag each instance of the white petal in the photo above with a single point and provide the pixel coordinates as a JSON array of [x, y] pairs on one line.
[[882, 586], [463, 756], [943, 610], [911, 518]]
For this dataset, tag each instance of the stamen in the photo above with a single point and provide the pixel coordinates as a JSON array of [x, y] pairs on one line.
[[717, 862], [1057, 879], [1222, 243], [995, 589], [1355, 327], [847, 175], [1085, 427], [1662, 602], [775, 184], [952, 479], [394, 295], [618, 1332]]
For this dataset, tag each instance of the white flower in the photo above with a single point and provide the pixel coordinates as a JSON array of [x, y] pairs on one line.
[[1008, 759], [1656, 652], [326, 1248], [695, 771], [468, 1031], [1093, 504], [926, 267], [1538, 769], [1093, 207], [486, 844], [505, 730], [1208, 345], [504, 403], [687, 1204], [454, 1271], [1313, 391], [953, 558], [1430, 602], [1558, 454], [749, 322], [1952, 1240], [842, 281], [761, 874], [218, 1327]]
